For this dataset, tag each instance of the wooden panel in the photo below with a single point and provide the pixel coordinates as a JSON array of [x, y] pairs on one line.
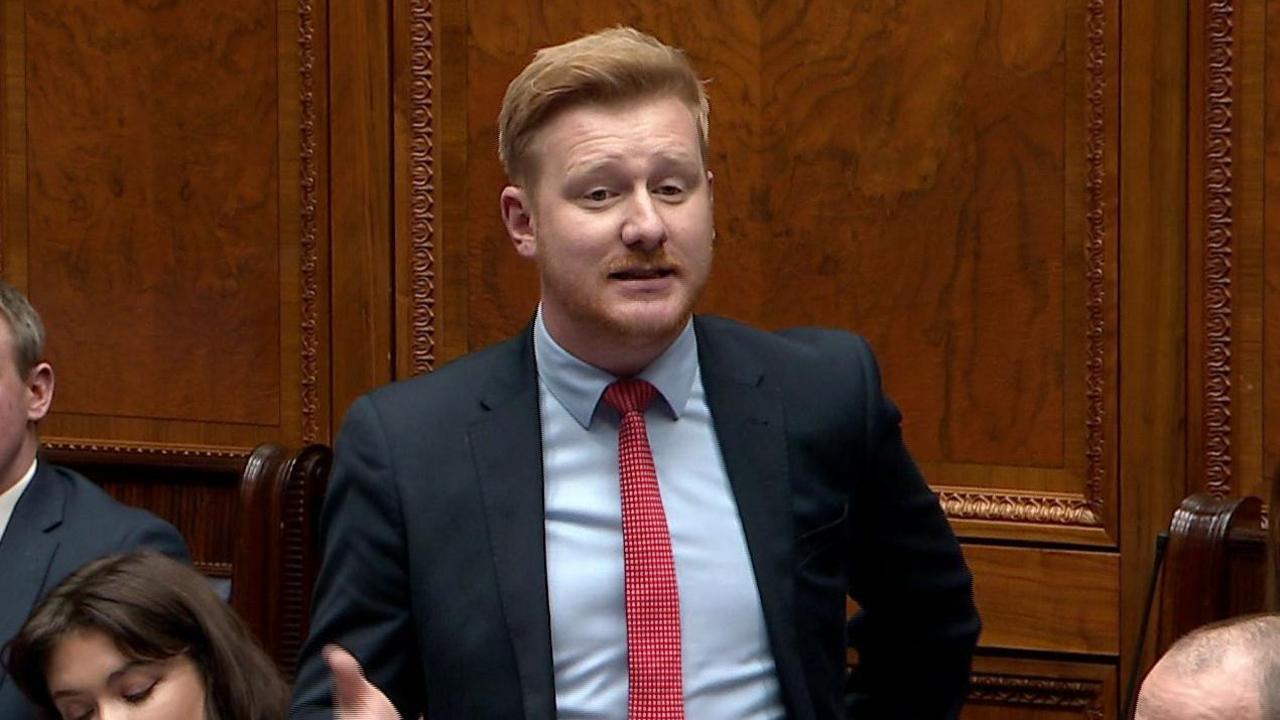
[[1153, 314], [164, 208], [1026, 689], [361, 200], [1055, 600], [152, 200]]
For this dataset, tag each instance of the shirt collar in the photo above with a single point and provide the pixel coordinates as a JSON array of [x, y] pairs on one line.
[[578, 385]]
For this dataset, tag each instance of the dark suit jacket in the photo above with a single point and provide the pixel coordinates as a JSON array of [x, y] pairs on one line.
[[62, 522], [434, 553]]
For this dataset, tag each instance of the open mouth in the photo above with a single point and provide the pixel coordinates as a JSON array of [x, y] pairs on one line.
[[642, 274]]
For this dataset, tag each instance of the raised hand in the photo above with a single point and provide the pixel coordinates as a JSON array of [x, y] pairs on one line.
[[355, 698]]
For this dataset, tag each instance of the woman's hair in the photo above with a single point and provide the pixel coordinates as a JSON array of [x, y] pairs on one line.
[[153, 608], [613, 65]]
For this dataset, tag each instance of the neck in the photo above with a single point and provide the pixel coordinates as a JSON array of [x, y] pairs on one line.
[[18, 463], [619, 354]]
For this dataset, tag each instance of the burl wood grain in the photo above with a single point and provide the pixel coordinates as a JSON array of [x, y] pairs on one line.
[[153, 210], [914, 172]]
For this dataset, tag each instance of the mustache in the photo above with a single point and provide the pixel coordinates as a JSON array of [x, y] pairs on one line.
[[643, 260]]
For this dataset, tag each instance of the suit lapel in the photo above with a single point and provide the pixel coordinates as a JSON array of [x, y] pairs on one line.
[[750, 426], [506, 446], [27, 551]]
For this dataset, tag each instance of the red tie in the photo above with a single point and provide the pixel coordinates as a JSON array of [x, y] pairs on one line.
[[653, 601]]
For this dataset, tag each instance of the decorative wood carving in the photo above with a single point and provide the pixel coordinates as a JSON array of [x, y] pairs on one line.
[[422, 191], [1039, 509], [1038, 692], [213, 569], [211, 458], [1218, 246], [1095, 255], [308, 245]]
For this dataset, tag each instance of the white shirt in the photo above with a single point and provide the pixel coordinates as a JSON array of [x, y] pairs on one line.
[[9, 498], [728, 666]]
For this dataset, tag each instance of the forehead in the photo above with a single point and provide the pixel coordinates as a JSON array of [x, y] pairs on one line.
[[653, 125], [82, 658]]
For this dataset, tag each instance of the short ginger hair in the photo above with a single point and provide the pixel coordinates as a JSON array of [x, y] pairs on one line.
[[609, 66]]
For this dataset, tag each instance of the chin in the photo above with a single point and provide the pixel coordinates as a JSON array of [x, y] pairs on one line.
[[647, 324]]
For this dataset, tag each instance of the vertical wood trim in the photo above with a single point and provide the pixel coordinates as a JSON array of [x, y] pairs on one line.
[[1095, 254], [308, 244], [13, 148], [1218, 244], [422, 190], [1154, 313]]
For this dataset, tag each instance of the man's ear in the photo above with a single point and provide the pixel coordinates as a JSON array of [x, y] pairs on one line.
[[711, 195], [39, 391], [517, 215]]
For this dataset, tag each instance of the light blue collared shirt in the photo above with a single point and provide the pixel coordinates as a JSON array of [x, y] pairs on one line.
[[728, 665]]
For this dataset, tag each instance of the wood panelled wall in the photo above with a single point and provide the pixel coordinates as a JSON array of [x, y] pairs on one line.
[[1050, 219]]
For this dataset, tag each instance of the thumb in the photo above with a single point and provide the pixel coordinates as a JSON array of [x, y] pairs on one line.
[[354, 695]]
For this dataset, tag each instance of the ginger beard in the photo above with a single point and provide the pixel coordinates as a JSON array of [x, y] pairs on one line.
[[639, 317]]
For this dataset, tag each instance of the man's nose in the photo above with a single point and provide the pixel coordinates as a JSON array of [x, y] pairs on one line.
[[643, 228]]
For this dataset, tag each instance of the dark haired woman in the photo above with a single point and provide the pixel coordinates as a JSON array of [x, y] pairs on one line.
[[142, 637]]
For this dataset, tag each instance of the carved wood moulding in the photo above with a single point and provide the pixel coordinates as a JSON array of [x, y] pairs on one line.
[[1034, 508], [122, 453], [1039, 692], [1095, 254], [422, 191], [308, 245], [213, 569], [1218, 241]]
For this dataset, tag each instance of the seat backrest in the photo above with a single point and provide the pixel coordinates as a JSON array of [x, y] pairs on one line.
[[276, 546], [1216, 567]]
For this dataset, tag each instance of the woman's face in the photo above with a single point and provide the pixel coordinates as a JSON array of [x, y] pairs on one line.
[[90, 679]]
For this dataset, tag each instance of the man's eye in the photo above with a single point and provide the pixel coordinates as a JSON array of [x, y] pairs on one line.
[[597, 195], [669, 190]]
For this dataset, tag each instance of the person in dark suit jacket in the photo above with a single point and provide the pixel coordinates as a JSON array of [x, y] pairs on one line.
[[52, 520], [473, 542]]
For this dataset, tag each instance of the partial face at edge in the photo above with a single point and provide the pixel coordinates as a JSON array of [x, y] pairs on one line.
[[619, 220], [90, 679], [24, 401]]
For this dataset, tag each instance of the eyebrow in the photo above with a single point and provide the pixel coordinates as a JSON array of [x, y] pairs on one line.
[[115, 675], [667, 159]]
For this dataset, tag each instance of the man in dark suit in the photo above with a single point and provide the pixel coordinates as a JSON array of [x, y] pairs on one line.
[[52, 520], [626, 510]]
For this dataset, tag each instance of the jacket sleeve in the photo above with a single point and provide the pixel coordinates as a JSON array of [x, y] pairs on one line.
[[917, 626], [362, 600]]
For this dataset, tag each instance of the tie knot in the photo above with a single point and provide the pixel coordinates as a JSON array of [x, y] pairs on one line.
[[630, 395]]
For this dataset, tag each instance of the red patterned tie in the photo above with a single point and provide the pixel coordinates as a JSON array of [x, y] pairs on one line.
[[653, 601]]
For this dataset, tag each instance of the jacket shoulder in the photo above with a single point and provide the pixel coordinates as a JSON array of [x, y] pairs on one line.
[[806, 347], [93, 517]]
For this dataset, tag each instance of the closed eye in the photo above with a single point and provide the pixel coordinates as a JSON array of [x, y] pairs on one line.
[[140, 696]]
